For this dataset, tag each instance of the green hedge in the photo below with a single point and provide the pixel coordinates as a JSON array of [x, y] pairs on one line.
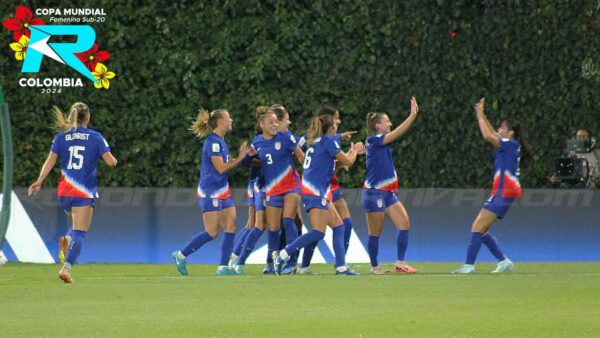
[[538, 61]]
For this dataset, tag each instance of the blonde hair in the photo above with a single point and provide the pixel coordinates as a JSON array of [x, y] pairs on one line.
[[206, 122], [319, 125], [372, 119], [78, 112]]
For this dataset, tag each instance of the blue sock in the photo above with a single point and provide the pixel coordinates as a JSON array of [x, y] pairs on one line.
[[77, 237], [196, 243], [347, 232], [291, 233], [373, 249], [251, 239], [402, 241], [492, 243], [309, 250], [274, 242], [474, 246], [239, 243], [338, 246], [226, 247], [310, 237]]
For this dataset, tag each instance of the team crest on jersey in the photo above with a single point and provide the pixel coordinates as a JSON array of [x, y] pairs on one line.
[[323, 202], [379, 203], [268, 198], [215, 202], [277, 145]]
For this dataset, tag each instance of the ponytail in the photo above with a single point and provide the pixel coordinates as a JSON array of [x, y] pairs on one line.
[[206, 122], [319, 126], [77, 115]]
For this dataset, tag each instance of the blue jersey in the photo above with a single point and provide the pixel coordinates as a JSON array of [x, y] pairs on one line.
[[79, 151], [381, 174], [212, 184], [277, 159], [255, 183], [319, 163], [506, 169], [335, 184]]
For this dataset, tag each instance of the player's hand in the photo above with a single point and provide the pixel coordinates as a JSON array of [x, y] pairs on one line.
[[244, 148], [348, 135], [34, 188], [360, 148], [479, 107], [414, 107], [252, 152], [344, 168]]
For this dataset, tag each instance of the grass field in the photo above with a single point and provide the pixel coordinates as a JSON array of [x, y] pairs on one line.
[[538, 299]]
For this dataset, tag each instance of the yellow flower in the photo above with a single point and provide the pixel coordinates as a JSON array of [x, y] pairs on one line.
[[102, 74], [20, 47]]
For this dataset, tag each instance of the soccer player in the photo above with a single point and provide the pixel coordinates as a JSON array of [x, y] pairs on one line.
[[79, 149], [318, 166], [378, 197], [214, 196], [338, 198], [510, 145], [276, 151]]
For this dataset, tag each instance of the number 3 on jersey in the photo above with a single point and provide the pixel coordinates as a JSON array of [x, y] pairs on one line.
[[269, 158], [75, 158], [307, 158]]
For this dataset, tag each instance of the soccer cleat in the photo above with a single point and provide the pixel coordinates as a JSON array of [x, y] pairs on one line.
[[180, 263], [278, 261], [405, 268], [232, 259], [504, 266], [465, 269], [239, 269], [306, 271], [223, 270], [378, 270], [347, 272], [65, 275], [63, 244], [269, 269], [288, 270]]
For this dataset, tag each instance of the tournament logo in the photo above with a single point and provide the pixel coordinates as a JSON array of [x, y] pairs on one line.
[[34, 40]]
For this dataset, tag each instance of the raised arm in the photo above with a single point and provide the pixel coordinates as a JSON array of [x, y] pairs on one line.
[[404, 126], [223, 167], [485, 127], [46, 168]]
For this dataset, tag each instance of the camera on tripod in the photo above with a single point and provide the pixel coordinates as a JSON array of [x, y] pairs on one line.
[[572, 168]]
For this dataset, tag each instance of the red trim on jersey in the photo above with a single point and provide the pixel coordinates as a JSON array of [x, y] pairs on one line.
[[68, 189]]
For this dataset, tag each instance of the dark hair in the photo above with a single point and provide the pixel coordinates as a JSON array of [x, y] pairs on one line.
[[327, 110], [519, 131], [372, 120], [206, 122], [319, 126], [279, 111]]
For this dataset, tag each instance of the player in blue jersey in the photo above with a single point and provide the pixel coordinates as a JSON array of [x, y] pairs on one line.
[[214, 195], [276, 151], [510, 147], [338, 198], [79, 149], [318, 167], [378, 197]]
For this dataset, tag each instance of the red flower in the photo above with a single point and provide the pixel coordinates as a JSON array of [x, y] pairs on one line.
[[92, 56], [21, 22]]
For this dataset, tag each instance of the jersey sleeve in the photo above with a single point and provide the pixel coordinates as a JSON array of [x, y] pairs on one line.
[[377, 140], [333, 147], [103, 146], [215, 148], [302, 143], [338, 138], [290, 141], [55, 148]]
